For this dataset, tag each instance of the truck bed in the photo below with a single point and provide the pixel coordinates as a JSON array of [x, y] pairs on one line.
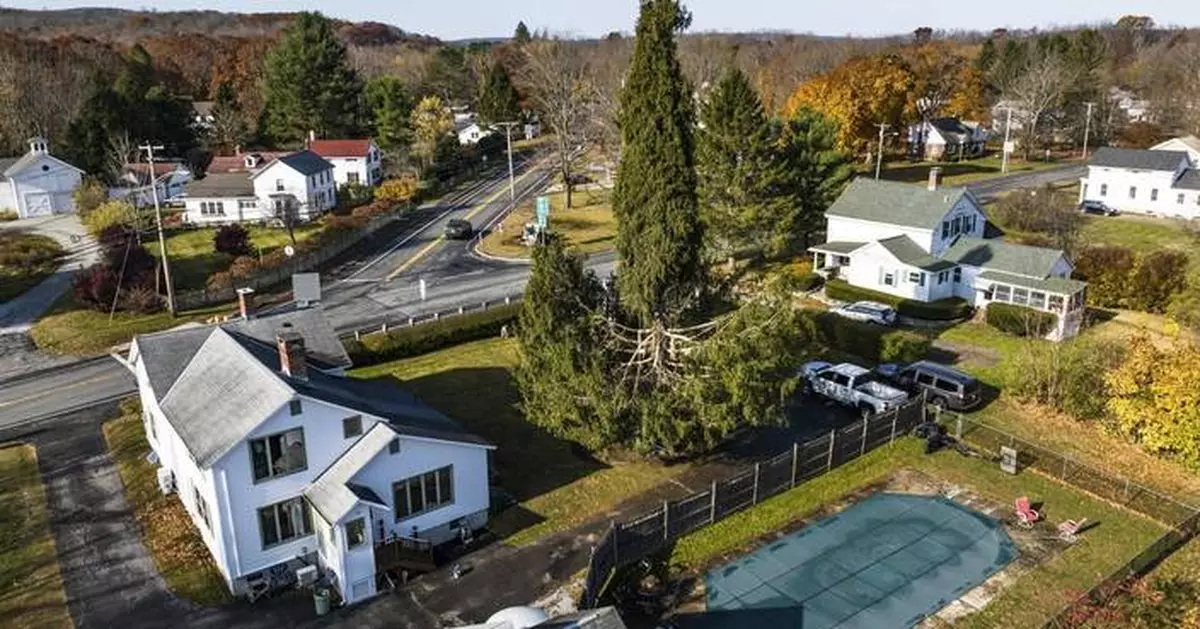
[[881, 391]]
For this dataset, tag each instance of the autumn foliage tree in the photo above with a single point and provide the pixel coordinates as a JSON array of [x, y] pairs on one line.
[[1155, 400], [858, 95]]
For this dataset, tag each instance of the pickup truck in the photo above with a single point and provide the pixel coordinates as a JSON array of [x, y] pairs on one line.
[[851, 385]]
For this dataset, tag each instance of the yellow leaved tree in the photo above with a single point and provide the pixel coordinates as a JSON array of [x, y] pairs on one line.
[[1155, 397]]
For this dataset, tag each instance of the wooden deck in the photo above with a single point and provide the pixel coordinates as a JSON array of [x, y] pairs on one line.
[[404, 554]]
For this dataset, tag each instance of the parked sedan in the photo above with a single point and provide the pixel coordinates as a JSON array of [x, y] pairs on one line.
[[458, 229], [869, 311], [1097, 207]]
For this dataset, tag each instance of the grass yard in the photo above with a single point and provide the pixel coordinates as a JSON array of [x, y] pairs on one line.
[[193, 259], [562, 486], [955, 173], [32, 594], [589, 226], [25, 260], [68, 328], [167, 530], [1143, 234], [1027, 602]]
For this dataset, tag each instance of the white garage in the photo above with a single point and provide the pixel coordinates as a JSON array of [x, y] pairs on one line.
[[38, 184]]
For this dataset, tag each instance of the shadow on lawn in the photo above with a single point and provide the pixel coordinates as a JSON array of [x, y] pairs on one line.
[[527, 461], [920, 172]]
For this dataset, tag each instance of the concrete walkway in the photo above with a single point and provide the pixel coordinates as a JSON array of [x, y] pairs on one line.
[[18, 315]]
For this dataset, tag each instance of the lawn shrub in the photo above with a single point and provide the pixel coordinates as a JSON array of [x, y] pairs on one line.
[[427, 337], [351, 195], [107, 215], [1107, 270], [8, 215], [1158, 276], [1019, 320], [27, 252], [232, 239], [400, 190], [864, 340], [941, 310], [1118, 277], [901, 346], [1067, 376]]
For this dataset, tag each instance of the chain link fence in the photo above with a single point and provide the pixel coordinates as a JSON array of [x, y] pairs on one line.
[[627, 542]]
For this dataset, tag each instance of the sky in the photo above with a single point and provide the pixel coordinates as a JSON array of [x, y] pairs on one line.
[[460, 19]]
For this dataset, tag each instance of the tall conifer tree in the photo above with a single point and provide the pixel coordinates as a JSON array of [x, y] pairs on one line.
[[310, 85]]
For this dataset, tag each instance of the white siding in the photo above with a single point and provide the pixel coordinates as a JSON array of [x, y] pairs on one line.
[[1111, 186], [314, 193], [369, 168], [841, 229], [871, 265], [46, 186], [963, 210], [232, 206]]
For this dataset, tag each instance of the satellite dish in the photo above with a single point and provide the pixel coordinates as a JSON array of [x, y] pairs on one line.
[[289, 251]]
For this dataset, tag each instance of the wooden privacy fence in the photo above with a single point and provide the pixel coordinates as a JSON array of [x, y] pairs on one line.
[[627, 542]]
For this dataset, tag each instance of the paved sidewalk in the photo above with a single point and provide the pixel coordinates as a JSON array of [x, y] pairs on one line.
[[18, 315]]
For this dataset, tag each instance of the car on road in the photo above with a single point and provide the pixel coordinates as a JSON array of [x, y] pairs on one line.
[[945, 387], [850, 385], [458, 229], [869, 311], [1097, 207]]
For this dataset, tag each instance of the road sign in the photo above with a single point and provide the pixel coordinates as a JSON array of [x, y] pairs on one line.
[[289, 251], [543, 212], [1010, 147]]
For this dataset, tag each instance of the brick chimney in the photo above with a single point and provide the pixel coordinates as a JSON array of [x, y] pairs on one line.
[[246, 302], [292, 360], [934, 173]]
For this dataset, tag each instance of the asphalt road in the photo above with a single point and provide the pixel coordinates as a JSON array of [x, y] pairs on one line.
[[991, 188], [50, 392]]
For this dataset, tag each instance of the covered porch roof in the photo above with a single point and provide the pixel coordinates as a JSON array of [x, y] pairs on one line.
[[1053, 285], [837, 248]]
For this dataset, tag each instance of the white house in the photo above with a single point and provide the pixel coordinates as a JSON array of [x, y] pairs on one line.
[[1135, 109], [284, 465], [135, 183], [946, 138], [1189, 144], [354, 161], [470, 132], [38, 184], [1157, 182], [927, 244], [300, 185]]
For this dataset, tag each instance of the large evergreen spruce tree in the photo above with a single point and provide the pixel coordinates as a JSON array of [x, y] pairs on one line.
[[310, 85], [659, 233]]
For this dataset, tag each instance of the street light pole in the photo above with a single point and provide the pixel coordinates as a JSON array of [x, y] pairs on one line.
[[879, 158], [1087, 128], [1004, 149], [512, 185], [162, 241]]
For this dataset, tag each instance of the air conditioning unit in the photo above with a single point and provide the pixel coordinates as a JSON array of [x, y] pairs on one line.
[[166, 480], [306, 576]]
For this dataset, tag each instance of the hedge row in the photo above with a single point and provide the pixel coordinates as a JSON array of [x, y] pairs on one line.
[[1019, 320], [865, 340], [1119, 277], [427, 337], [941, 310]]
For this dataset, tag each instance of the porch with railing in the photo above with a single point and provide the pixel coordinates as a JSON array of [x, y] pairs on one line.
[[404, 553]]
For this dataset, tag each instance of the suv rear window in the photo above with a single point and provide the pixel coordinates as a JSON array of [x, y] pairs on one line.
[[946, 385], [925, 379]]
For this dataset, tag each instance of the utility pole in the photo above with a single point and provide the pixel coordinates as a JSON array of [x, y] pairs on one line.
[[1007, 135], [512, 185], [162, 241], [879, 158], [1087, 128]]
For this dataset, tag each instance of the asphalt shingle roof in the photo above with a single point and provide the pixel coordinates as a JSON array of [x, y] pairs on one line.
[[1189, 180], [332, 494], [1137, 159], [219, 185], [306, 162], [1006, 257], [895, 203], [951, 129], [908, 252], [838, 248], [1057, 285]]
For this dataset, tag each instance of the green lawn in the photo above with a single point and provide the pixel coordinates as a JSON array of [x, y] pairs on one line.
[[25, 260], [559, 487], [589, 225], [68, 328], [167, 530], [31, 596], [193, 258], [1026, 603], [1141, 233], [955, 173]]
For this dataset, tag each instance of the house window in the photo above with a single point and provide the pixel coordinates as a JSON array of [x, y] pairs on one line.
[[278, 455], [942, 277], [284, 522], [424, 493], [1154, 194], [352, 177], [201, 507], [945, 229], [1037, 300], [1179, 199], [1001, 293], [394, 446], [295, 407], [352, 426], [247, 204], [278, 185], [889, 279], [1056, 303], [956, 226], [917, 278], [1132, 192], [356, 533], [957, 275], [1020, 296], [1103, 189]]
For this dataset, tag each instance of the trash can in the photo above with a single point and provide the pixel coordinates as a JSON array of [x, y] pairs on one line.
[[321, 601]]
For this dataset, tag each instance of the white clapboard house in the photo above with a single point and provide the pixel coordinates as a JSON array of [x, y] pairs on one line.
[[354, 161], [38, 183], [1159, 182], [298, 186], [290, 469], [927, 243]]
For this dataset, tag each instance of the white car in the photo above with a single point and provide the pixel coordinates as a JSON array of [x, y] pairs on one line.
[[869, 311]]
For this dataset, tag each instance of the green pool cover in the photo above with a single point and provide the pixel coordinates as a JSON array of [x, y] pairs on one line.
[[887, 562]]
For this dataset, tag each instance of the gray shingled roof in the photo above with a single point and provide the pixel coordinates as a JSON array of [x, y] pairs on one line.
[[1189, 180], [219, 185], [1137, 159], [908, 252], [951, 129], [1006, 257], [166, 354], [837, 248], [895, 203], [306, 162], [332, 494], [1057, 285]]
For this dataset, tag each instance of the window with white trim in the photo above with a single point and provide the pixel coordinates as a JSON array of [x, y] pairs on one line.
[[284, 521], [1020, 296], [1179, 199], [1103, 189], [889, 279], [1132, 192], [1154, 194], [942, 277], [247, 204], [1037, 300], [957, 275], [352, 426], [1001, 292], [423, 493], [278, 185], [356, 533], [201, 507], [278, 455]]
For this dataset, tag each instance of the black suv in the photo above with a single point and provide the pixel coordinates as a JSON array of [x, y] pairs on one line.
[[944, 387], [1097, 207], [458, 229]]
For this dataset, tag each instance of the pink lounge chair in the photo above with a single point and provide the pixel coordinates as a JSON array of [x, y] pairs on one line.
[[1026, 515], [1069, 531]]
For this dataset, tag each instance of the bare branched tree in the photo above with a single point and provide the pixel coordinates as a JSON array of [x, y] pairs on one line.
[[1037, 90], [557, 77], [121, 151], [609, 61]]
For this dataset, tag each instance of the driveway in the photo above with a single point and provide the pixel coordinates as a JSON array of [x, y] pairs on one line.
[[18, 315]]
